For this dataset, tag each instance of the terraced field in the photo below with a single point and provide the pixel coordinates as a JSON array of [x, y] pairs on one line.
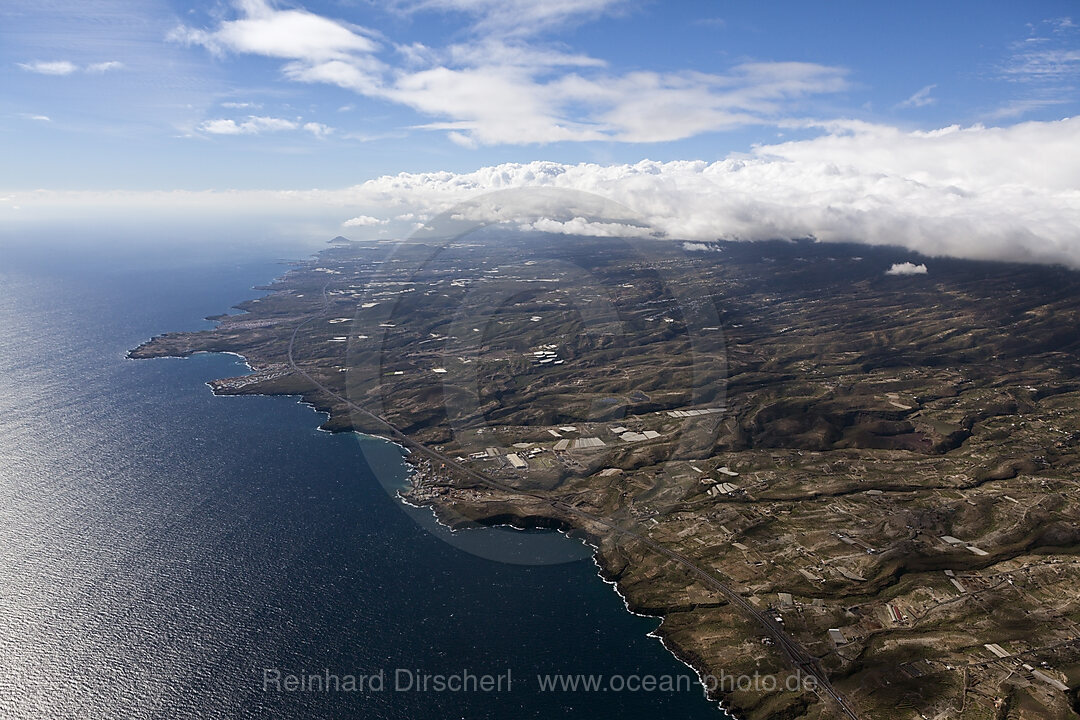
[[891, 457]]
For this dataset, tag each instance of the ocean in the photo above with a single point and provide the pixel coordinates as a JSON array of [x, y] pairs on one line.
[[165, 553]]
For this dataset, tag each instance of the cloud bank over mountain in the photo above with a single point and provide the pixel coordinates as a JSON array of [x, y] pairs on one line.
[[1008, 193], [993, 193]]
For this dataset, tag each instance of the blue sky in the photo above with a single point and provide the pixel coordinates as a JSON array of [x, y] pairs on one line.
[[253, 94]]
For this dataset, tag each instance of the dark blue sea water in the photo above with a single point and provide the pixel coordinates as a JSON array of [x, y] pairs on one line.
[[161, 547]]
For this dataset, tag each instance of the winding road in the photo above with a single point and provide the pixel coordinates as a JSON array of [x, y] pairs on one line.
[[793, 650]]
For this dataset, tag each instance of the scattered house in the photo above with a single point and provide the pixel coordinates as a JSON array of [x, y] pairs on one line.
[[516, 461], [874, 492], [562, 444], [568, 428], [916, 669], [894, 614], [651, 434], [727, 471], [997, 650], [958, 585], [631, 437], [727, 488], [837, 637], [544, 357], [492, 452], [809, 575], [590, 442], [850, 575], [739, 546], [786, 601], [554, 433], [438, 370], [977, 551], [951, 540], [693, 413], [619, 430], [1050, 681]]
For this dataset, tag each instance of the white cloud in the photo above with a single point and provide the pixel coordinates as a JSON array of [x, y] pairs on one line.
[[253, 125], [658, 107], [1045, 59], [498, 52], [1062, 24], [103, 67], [906, 268], [55, 67], [502, 89], [510, 104], [490, 105], [363, 221], [517, 17], [318, 129], [1043, 68], [920, 98], [1017, 108], [290, 34], [349, 75], [1043, 64], [589, 228], [66, 67], [37, 118], [258, 124]]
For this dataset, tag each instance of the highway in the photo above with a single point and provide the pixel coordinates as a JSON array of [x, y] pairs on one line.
[[792, 649]]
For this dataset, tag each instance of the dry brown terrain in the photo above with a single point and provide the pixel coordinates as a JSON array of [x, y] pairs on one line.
[[765, 442]]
